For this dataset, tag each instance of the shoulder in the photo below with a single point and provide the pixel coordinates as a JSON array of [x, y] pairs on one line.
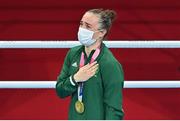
[[108, 57], [108, 61], [110, 68], [74, 50]]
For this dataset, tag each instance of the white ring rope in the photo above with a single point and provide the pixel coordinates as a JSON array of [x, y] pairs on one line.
[[51, 84], [69, 44]]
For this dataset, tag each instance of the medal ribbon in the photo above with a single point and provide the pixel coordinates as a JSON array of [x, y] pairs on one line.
[[82, 62]]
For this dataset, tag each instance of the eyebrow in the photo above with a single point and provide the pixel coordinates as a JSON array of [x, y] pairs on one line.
[[86, 23]]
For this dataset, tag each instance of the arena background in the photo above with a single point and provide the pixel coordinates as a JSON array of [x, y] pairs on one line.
[[59, 20]]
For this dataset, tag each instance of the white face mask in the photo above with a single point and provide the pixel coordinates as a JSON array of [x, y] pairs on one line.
[[85, 36]]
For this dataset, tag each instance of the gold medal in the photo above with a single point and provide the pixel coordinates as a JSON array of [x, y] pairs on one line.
[[79, 106]]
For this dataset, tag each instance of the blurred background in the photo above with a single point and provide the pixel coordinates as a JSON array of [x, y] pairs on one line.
[[59, 20]]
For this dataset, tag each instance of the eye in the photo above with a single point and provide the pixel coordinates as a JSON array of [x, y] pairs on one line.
[[80, 24], [88, 27]]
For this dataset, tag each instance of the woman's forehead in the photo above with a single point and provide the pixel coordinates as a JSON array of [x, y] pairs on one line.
[[90, 18]]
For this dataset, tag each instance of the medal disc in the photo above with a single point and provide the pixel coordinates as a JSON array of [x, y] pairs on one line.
[[79, 106]]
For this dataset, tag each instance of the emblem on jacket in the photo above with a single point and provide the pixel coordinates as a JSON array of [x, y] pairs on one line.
[[74, 64]]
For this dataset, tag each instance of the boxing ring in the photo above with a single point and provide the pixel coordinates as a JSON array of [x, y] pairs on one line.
[[111, 44]]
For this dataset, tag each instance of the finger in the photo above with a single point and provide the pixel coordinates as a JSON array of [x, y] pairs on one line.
[[86, 66], [94, 70], [92, 64], [93, 67]]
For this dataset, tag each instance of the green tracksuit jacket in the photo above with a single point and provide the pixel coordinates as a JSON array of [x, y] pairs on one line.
[[102, 93]]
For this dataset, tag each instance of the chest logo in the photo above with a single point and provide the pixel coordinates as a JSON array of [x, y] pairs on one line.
[[74, 64]]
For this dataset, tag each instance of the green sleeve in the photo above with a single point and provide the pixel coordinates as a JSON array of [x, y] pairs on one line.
[[64, 86], [113, 80]]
